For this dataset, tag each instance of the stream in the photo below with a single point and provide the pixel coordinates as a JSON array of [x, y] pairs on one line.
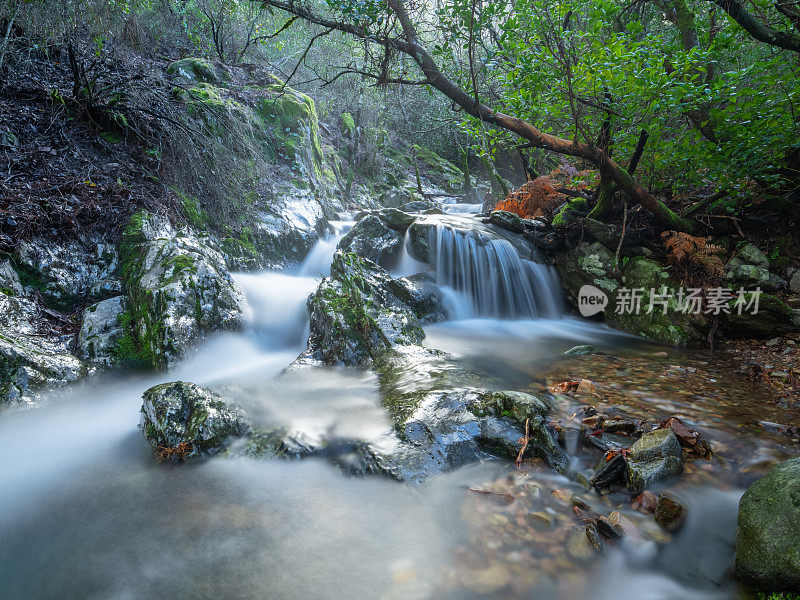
[[85, 511]]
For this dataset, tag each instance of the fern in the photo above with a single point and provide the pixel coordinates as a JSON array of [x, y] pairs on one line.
[[694, 256]]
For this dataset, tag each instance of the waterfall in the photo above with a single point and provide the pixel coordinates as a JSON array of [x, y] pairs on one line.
[[490, 275]]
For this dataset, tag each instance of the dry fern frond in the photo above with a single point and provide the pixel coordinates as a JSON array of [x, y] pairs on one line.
[[694, 255]]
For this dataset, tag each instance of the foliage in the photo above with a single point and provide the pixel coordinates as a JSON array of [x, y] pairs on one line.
[[695, 257]]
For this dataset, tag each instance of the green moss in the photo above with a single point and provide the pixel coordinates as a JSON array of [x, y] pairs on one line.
[[194, 68], [348, 124], [574, 208], [194, 214]]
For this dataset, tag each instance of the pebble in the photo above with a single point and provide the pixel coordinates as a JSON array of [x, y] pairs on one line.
[[772, 342]]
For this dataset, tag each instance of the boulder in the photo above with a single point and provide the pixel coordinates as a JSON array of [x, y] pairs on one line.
[[674, 327], [424, 297], [182, 420], [68, 272], [29, 362], [774, 317], [372, 239], [748, 277], [654, 457], [583, 350], [105, 328], [179, 289], [768, 537], [355, 315], [588, 263]]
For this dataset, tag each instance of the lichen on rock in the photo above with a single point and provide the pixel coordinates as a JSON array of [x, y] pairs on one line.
[[179, 289]]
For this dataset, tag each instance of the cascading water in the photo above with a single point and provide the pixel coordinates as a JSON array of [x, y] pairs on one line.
[[492, 278]]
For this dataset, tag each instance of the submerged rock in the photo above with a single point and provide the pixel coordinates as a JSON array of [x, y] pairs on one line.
[[182, 420], [372, 239], [768, 537], [654, 457], [179, 289]]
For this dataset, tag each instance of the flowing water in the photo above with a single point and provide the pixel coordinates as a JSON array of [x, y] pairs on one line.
[[86, 513]]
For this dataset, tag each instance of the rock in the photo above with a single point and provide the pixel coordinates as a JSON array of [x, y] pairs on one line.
[[607, 472], [768, 537], [282, 231], [9, 280], [30, 363], [105, 328], [689, 439], [182, 420], [65, 273], [423, 296], [794, 282], [670, 513], [507, 220], [195, 70], [355, 315], [179, 289], [591, 264], [396, 219], [417, 206], [579, 545], [656, 456], [370, 238], [583, 350], [748, 277], [774, 317], [748, 255], [674, 327]]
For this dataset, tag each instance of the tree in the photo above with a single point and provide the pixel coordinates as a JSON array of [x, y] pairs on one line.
[[396, 31]]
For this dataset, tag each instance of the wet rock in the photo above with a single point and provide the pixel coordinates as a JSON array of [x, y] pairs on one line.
[[540, 520], [355, 315], [182, 420], [282, 230], [103, 329], [767, 539], [579, 545], [690, 440], [9, 280], [593, 535], [645, 502], [64, 273], [396, 219], [583, 350], [502, 436], [29, 362], [670, 513], [372, 239], [417, 206], [656, 456], [794, 283], [608, 472], [748, 277], [179, 288], [423, 295], [507, 220]]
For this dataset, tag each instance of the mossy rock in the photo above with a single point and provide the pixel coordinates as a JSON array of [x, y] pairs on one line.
[[197, 70], [673, 327], [774, 317], [570, 212], [768, 536]]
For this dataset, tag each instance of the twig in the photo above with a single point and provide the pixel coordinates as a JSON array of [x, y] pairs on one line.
[[524, 441]]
